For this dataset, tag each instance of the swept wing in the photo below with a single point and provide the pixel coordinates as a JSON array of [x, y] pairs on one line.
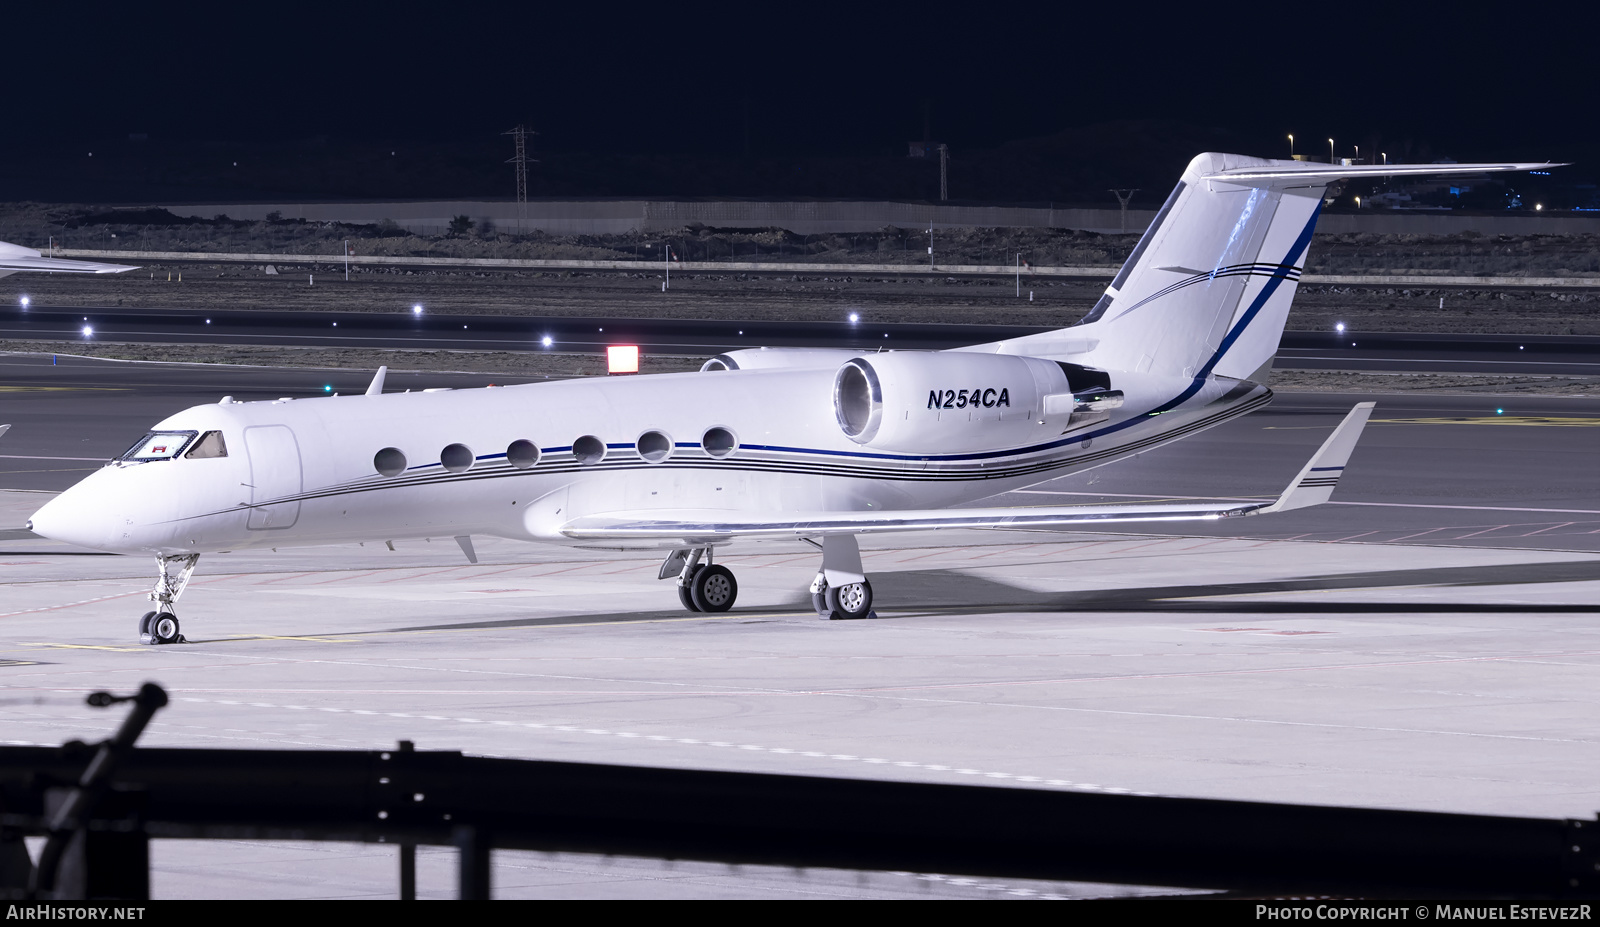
[[1312, 486]]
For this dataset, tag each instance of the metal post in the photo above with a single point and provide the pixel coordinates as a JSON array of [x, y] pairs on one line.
[[1124, 197], [472, 846], [944, 158], [408, 852], [69, 818], [520, 133], [110, 860]]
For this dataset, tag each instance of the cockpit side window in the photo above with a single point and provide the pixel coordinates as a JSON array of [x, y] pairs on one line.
[[209, 445], [158, 445]]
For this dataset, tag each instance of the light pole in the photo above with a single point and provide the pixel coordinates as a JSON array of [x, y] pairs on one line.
[[1330, 152], [1291, 146], [1358, 154]]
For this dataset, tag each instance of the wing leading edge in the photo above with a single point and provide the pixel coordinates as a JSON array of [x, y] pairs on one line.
[[1312, 486]]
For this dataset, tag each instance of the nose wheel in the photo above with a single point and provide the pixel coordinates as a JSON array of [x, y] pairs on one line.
[[161, 625], [160, 628]]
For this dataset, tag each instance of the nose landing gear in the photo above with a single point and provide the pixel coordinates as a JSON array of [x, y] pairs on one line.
[[161, 626]]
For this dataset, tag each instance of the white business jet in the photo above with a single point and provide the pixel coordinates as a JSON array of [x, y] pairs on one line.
[[813, 445]]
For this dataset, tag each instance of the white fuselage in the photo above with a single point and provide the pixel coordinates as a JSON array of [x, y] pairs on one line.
[[302, 471]]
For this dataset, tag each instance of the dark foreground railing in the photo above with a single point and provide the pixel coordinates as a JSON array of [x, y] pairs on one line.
[[444, 798]]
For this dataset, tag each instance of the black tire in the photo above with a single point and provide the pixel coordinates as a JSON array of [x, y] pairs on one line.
[[164, 629], [714, 589], [850, 602], [144, 628], [686, 598]]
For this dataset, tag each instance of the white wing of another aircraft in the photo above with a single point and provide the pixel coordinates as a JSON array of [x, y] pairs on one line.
[[17, 259]]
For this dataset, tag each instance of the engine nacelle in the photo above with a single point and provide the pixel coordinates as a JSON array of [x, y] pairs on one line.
[[768, 358], [955, 401]]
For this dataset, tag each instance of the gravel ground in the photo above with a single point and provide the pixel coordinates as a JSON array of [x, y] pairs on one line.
[[877, 296], [877, 293], [528, 364]]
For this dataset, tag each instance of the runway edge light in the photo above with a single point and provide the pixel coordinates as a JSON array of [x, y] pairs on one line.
[[622, 358]]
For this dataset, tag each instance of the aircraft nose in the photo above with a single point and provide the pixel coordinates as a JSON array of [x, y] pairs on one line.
[[73, 517]]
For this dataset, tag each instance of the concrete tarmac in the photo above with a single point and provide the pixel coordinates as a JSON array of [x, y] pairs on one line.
[[1428, 641]]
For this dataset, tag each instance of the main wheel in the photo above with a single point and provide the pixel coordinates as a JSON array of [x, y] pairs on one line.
[[164, 629], [850, 601], [819, 594], [714, 588], [144, 628], [684, 595]]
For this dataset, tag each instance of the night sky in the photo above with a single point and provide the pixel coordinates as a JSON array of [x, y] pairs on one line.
[[800, 79]]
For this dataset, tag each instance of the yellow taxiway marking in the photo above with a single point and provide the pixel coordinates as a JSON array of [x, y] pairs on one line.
[[63, 389], [1563, 421], [1556, 421], [276, 637], [369, 634], [1320, 590], [586, 624], [56, 646]]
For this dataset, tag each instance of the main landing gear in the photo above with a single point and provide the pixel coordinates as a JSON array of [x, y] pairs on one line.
[[161, 625], [702, 587], [840, 592]]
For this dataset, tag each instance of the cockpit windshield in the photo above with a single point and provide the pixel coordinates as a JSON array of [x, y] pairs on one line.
[[158, 445]]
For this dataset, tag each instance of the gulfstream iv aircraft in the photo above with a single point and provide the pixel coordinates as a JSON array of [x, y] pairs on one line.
[[812, 445]]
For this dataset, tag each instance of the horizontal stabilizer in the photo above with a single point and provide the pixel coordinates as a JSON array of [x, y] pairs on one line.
[[18, 534], [1308, 173], [698, 528]]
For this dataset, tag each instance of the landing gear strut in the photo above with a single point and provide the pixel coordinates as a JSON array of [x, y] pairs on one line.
[[161, 625], [702, 587], [840, 591]]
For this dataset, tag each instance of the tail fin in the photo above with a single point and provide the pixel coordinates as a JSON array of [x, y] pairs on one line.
[[1208, 288]]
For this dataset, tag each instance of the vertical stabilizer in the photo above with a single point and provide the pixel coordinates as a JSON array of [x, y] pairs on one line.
[[1208, 288]]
